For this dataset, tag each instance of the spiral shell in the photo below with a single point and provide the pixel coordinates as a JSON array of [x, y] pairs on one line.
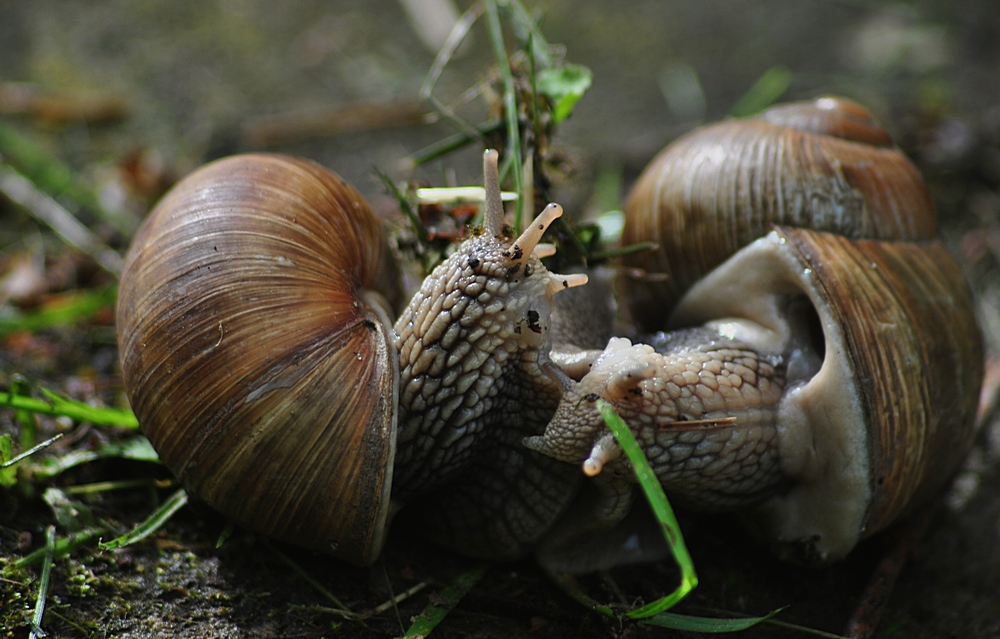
[[252, 323], [823, 165]]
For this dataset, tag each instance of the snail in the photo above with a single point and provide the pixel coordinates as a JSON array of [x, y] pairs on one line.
[[830, 380], [258, 351]]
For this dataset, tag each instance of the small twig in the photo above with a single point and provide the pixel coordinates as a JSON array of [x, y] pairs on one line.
[[18, 98], [392, 603], [621, 251], [32, 451], [19, 189], [294, 127], [320, 588], [868, 614], [392, 598], [455, 39], [430, 18], [66, 620]]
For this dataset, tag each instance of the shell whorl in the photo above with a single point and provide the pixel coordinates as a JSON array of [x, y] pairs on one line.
[[822, 165]]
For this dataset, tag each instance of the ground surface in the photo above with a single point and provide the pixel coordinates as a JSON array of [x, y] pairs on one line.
[[197, 78]]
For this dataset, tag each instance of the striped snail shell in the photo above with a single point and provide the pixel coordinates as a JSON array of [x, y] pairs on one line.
[[825, 376]]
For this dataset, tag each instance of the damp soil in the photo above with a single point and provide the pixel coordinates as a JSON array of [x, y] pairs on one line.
[[200, 79]]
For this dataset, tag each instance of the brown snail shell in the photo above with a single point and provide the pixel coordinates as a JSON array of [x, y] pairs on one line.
[[260, 284], [884, 414], [822, 165]]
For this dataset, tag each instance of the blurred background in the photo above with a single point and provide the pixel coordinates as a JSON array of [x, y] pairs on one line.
[[184, 81]]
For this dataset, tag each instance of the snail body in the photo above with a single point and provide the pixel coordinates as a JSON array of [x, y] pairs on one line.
[[257, 349]]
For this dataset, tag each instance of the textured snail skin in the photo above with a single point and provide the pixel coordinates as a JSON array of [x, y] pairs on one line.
[[476, 379], [704, 413]]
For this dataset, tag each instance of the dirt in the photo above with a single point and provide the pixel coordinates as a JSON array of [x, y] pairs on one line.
[[198, 78]]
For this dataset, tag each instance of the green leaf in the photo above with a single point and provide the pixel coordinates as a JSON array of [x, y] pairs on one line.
[[8, 474], [57, 405], [764, 92], [445, 602], [705, 624], [564, 86], [71, 515], [152, 523], [137, 449]]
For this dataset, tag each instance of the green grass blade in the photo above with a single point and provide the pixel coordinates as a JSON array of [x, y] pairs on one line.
[[541, 50], [226, 533], [56, 179], [63, 546], [806, 630], [445, 602], [455, 39], [71, 308], [509, 106], [153, 523], [453, 142], [25, 419], [764, 92], [8, 474], [43, 584], [661, 509], [59, 406], [709, 625], [120, 484]]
